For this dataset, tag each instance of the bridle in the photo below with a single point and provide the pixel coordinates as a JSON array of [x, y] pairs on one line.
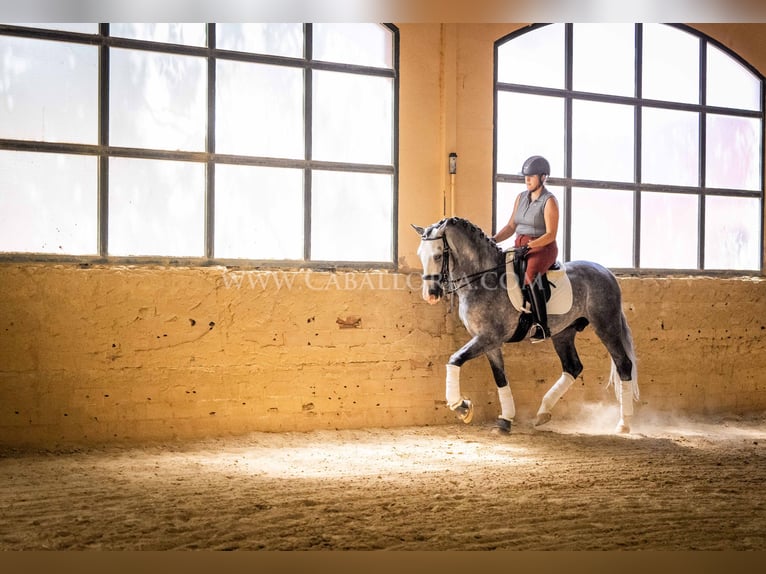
[[448, 285], [439, 277]]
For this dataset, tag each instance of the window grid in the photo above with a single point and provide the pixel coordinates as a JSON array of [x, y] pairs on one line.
[[104, 151], [637, 186]]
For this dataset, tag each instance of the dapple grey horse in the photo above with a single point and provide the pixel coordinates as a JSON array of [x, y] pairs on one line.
[[457, 257]]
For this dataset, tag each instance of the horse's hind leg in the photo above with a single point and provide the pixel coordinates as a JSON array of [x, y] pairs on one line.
[[618, 341], [563, 343], [507, 406]]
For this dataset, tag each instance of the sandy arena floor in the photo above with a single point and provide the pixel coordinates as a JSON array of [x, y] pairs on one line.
[[565, 486]]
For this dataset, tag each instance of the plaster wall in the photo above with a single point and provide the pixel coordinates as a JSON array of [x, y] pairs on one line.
[[129, 354]]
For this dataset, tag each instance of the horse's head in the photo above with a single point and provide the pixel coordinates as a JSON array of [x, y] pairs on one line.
[[434, 256], [454, 246]]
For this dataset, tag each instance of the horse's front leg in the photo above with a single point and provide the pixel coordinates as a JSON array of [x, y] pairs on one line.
[[507, 406], [563, 343], [455, 400]]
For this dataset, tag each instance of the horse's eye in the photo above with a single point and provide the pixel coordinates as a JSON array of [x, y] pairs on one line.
[[438, 257]]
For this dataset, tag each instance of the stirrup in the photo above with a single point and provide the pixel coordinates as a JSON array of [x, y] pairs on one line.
[[539, 335]]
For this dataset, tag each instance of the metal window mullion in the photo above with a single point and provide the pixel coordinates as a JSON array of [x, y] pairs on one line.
[[628, 186], [637, 143], [210, 146], [568, 87], [637, 158], [103, 145], [395, 156], [308, 91], [568, 175]]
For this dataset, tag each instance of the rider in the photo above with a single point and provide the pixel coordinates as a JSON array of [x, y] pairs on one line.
[[535, 219]]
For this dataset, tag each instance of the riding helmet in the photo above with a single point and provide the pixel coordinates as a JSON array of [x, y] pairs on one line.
[[536, 165]]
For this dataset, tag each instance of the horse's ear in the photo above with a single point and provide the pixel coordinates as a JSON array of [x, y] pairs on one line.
[[417, 228]]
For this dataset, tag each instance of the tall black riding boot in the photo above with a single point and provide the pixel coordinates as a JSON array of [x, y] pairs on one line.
[[539, 308]]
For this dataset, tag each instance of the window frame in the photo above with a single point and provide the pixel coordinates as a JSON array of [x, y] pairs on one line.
[[103, 151], [567, 182]]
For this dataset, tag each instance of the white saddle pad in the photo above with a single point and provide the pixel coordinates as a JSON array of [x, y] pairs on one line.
[[561, 288]]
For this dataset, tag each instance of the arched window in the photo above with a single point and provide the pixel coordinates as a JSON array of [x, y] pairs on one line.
[[654, 134], [199, 142]]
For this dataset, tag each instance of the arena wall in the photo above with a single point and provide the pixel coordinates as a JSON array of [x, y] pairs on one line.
[[125, 354], [93, 353]]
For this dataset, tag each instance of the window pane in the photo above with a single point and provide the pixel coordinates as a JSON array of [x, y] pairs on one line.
[[156, 208], [733, 152], [603, 60], [529, 125], [188, 34], [732, 233], [506, 197], [671, 64], [535, 58], [602, 226], [258, 212], [602, 141], [360, 44], [48, 91], [351, 217], [158, 100], [48, 203], [729, 83], [352, 118], [272, 39], [669, 230], [670, 147], [259, 110]]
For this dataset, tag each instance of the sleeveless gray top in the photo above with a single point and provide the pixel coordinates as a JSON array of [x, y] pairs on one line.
[[530, 218]]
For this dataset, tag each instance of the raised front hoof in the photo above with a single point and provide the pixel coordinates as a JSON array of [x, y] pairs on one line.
[[465, 411], [623, 427], [501, 427], [542, 418]]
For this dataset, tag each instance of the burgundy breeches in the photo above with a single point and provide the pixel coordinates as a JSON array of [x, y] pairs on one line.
[[539, 259]]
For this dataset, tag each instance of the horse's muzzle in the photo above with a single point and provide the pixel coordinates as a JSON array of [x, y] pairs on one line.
[[432, 292]]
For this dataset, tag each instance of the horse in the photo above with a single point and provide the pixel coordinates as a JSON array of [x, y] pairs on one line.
[[459, 258]]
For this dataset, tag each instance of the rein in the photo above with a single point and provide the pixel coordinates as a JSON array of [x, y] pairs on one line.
[[450, 286]]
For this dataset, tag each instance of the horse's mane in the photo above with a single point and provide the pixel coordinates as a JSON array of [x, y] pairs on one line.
[[474, 231]]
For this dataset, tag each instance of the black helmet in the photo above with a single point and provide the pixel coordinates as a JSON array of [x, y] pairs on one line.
[[536, 165]]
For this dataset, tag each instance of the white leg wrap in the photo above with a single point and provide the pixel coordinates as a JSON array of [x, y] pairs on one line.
[[555, 393], [626, 399], [507, 406], [454, 398]]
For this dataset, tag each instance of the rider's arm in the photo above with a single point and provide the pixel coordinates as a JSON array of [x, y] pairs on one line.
[[551, 215]]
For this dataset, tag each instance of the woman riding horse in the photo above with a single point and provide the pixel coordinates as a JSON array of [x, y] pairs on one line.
[[535, 219]]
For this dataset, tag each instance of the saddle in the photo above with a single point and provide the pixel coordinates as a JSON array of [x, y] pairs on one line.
[[556, 286]]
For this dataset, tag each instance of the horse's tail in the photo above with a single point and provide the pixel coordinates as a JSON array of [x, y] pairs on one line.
[[626, 338]]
